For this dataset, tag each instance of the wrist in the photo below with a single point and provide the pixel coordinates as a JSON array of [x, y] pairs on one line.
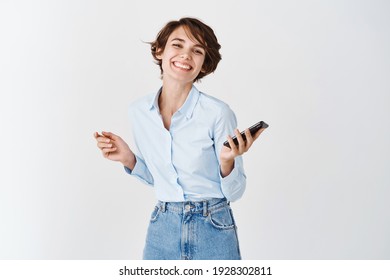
[[226, 167], [130, 161]]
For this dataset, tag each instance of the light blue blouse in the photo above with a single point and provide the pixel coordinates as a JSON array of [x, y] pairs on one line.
[[183, 163]]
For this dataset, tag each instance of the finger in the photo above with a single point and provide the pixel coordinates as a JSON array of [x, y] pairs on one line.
[[108, 150], [249, 139], [241, 142], [103, 139], [109, 135], [233, 146], [102, 145], [97, 135]]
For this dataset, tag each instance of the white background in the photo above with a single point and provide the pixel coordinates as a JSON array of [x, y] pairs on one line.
[[316, 71]]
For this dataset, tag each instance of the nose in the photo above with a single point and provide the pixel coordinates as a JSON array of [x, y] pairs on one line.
[[185, 55]]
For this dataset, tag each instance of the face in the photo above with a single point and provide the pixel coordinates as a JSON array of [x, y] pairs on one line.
[[183, 57]]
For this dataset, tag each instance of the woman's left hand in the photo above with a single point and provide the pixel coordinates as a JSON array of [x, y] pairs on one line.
[[228, 154]]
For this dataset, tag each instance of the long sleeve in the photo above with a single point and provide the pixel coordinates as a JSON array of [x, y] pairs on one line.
[[141, 171], [232, 186]]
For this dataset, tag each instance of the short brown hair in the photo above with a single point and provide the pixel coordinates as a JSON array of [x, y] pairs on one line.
[[199, 31]]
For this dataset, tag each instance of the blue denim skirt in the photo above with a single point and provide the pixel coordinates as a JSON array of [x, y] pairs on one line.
[[192, 231]]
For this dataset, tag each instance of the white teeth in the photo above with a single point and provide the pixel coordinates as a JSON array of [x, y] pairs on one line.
[[183, 66]]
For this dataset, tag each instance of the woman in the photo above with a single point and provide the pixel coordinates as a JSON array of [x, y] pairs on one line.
[[179, 134]]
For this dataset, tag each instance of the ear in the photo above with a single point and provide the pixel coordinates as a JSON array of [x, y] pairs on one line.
[[159, 56]]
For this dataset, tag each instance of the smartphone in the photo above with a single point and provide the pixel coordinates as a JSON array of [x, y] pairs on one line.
[[253, 129]]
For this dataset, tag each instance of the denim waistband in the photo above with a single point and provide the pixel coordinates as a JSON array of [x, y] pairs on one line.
[[193, 206]]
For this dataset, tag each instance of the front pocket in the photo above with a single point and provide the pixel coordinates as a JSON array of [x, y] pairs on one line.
[[222, 218], [155, 214]]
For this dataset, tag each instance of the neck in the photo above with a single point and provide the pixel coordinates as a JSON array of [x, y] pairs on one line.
[[173, 96]]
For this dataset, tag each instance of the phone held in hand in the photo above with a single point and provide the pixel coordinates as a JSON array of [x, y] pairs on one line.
[[253, 129]]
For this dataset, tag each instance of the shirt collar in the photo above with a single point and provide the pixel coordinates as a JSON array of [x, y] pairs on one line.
[[187, 108], [154, 101]]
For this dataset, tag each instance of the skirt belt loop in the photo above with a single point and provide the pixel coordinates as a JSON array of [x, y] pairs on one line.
[[205, 210], [163, 206]]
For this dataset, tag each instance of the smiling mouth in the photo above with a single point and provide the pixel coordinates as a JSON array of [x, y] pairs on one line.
[[182, 65]]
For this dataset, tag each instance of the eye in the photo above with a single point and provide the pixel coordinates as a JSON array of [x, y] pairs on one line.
[[176, 45], [197, 51]]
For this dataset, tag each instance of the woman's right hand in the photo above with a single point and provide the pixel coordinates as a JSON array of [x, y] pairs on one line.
[[114, 148]]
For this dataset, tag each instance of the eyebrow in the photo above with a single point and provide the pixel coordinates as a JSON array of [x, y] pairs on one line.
[[182, 40]]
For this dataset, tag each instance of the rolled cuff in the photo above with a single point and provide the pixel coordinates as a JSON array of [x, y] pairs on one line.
[[233, 185], [140, 171]]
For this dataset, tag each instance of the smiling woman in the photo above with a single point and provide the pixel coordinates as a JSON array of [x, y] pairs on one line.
[[179, 134], [203, 37], [182, 58]]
